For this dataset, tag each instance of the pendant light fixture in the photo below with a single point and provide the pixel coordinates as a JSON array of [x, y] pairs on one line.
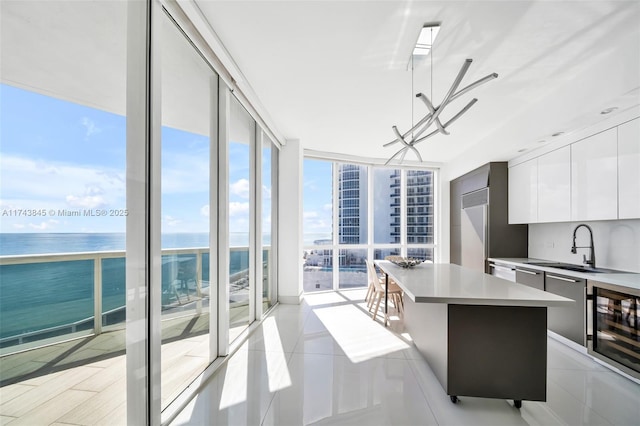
[[413, 136]]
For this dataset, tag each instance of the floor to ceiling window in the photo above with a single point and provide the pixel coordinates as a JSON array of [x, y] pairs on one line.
[[318, 225], [79, 126], [378, 212], [189, 94], [241, 286], [63, 211]]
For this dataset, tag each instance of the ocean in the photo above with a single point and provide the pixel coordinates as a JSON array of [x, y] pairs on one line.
[[41, 243], [52, 295]]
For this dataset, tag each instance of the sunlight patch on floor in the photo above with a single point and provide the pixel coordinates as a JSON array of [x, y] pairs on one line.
[[277, 370], [234, 389], [359, 337], [315, 299]]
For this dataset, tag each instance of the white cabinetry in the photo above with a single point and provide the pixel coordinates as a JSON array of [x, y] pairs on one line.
[[523, 192], [629, 170], [594, 177], [554, 186]]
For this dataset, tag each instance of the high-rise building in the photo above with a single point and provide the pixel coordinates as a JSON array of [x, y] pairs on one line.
[[352, 206], [419, 207]]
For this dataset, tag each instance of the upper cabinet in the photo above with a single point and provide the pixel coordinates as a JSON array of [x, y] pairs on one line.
[[554, 186], [594, 177], [523, 192], [629, 169]]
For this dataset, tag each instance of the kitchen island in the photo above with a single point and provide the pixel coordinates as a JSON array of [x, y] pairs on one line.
[[481, 335]]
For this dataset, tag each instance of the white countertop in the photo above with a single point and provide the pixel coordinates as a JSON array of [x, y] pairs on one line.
[[446, 283], [628, 279]]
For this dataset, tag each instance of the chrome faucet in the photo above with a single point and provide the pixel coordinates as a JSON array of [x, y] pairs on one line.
[[592, 253]]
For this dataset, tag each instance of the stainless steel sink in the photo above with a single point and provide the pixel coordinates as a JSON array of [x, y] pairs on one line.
[[575, 268]]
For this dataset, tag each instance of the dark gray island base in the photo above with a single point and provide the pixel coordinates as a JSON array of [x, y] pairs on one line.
[[483, 351], [482, 336]]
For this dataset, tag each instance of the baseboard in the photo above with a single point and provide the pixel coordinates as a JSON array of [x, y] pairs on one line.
[[291, 300]]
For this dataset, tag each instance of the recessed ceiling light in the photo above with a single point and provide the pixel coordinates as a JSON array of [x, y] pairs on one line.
[[557, 134], [608, 110], [541, 141], [522, 150], [427, 36]]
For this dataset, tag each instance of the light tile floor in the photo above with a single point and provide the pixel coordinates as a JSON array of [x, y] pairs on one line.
[[326, 362]]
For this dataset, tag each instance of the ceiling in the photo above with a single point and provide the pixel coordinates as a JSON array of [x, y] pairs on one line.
[[335, 74]]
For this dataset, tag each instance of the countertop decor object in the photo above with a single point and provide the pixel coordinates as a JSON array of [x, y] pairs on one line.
[[406, 262]]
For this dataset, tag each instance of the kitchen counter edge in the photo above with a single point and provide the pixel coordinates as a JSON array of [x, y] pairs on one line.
[[622, 279]]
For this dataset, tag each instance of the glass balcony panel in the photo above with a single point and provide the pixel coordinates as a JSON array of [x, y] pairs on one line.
[[113, 291], [353, 269], [318, 270], [43, 300]]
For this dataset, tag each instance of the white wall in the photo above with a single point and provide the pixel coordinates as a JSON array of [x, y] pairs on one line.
[[290, 245], [617, 243]]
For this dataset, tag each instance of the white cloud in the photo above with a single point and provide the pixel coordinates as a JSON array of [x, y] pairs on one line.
[[204, 210], [184, 173], [90, 127], [18, 226], [171, 221], [44, 226], [240, 188], [4, 204], [327, 207], [238, 209], [92, 198], [50, 183], [266, 192], [318, 225], [309, 215], [87, 201]]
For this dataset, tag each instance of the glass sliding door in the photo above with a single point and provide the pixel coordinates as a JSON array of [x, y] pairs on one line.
[[241, 287], [189, 96], [63, 211]]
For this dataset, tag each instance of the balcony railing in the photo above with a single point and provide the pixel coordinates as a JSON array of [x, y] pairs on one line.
[[50, 297]]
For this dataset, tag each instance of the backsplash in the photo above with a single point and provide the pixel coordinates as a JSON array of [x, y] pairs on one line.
[[617, 243]]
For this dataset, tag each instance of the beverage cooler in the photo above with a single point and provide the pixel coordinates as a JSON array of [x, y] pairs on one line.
[[616, 335]]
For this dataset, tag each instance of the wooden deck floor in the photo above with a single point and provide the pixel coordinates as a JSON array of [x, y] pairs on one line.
[[83, 381]]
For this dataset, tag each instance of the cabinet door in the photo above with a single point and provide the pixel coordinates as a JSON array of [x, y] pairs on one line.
[[629, 170], [523, 192], [568, 321], [530, 278], [554, 186], [594, 177]]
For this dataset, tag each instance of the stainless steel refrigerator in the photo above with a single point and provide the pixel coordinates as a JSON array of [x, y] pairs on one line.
[[474, 229], [479, 222]]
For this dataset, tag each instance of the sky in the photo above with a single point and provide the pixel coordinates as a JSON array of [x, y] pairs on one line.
[[317, 199], [59, 158]]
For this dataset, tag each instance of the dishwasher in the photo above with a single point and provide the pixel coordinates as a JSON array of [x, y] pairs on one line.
[[500, 270]]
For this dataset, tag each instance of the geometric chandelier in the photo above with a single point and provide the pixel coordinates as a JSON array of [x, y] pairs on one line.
[[413, 136]]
